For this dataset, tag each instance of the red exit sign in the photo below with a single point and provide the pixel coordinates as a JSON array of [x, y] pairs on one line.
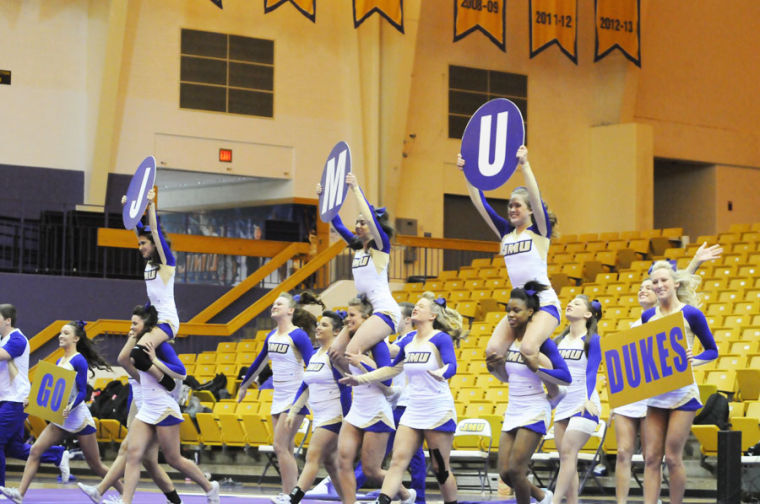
[[225, 155]]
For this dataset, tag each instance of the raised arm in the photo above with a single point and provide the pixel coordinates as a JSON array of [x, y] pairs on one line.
[[162, 247], [498, 224], [539, 211], [382, 240], [703, 254]]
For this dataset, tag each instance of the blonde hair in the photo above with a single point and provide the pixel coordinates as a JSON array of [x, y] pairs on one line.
[[447, 319], [686, 292]]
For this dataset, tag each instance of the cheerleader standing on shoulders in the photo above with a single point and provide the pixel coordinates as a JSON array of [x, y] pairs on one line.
[[143, 320], [670, 415], [289, 349], [372, 242], [428, 359], [525, 238], [79, 355], [328, 401], [631, 418], [577, 414], [528, 410], [370, 420]]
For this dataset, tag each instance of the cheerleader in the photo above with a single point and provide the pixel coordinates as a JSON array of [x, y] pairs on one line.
[[328, 401], [160, 270], [524, 244], [79, 355], [631, 418], [143, 320], [372, 242], [290, 350], [577, 414], [528, 413], [14, 389], [159, 416], [370, 419], [428, 359], [670, 415]]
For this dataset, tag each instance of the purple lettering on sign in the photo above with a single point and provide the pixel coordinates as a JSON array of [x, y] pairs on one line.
[[137, 192], [333, 182], [490, 142]]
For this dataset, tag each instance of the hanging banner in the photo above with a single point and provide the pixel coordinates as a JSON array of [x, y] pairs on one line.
[[647, 360], [488, 16], [554, 22], [618, 26], [307, 7], [392, 10]]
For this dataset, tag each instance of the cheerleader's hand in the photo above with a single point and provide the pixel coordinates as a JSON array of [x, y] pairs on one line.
[[355, 359], [349, 380], [522, 155], [150, 350], [351, 180], [319, 189], [591, 408], [438, 373], [495, 361], [151, 195], [460, 161], [705, 253], [66, 411], [690, 356], [124, 200]]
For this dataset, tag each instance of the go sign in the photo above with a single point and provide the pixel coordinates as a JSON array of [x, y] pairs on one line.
[[490, 142], [50, 391]]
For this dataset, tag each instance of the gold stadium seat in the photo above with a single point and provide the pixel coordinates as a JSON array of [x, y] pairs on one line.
[[232, 430], [187, 358], [452, 285], [206, 358], [448, 275], [470, 394], [707, 435], [226, 347], [188, 434], [210, 432], [247, 346], [478, 409], [257, 431], [748, 382], [749, 428]]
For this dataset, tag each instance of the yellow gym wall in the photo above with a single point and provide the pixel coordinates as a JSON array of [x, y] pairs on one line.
[[593, 128]]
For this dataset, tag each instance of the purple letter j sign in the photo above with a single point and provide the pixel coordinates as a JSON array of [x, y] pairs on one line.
[[490, 142]]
